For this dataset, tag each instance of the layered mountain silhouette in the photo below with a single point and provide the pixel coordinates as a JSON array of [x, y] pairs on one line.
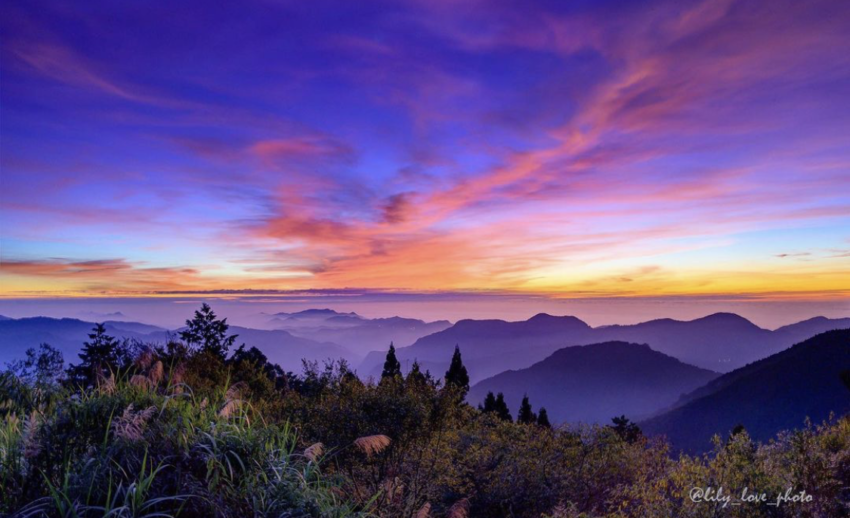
[[770, 395], [313, 334], [489, 346], [596, 382], [720, 342], [68, 334], [358, 334]]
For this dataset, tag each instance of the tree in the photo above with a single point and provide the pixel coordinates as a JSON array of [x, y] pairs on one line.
[[457, 376], [253, 359], [525, 414], [42, 367], [392, 367], [101, 355], [845, 378], [501, 408], [543, 418], [415, 378], [627, 430], [489, 405], [208, 332]]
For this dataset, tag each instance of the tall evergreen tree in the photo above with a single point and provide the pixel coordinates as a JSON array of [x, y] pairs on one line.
[[502, 410], [415, 377], [208, 332], [101, 355], [525, 414], [392, 367], [627, 430], [543, 418], [457, 376], [489, 404]]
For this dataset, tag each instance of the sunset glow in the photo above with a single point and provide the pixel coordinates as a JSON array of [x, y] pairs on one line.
[[575, 149]]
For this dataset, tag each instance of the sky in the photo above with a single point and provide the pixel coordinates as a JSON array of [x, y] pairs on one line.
[[564, 150]]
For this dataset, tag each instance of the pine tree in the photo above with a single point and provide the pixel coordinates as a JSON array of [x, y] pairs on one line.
[[489, 404], [525, 414], [208, 332], [627, 430], [415, 377], [392, 367], [457, 376], [101, 355], [502, 410], [543, 418]]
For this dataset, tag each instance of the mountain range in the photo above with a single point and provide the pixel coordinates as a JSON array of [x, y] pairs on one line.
[[773, 394], [359, 335], [654, 371], [596, 382], [720, 342], [314, 335]]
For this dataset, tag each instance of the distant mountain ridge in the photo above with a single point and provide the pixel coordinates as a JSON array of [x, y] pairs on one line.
[[313, 334], [719, 342], [593, 383], [68, 335], [358, 334], [776, 393]]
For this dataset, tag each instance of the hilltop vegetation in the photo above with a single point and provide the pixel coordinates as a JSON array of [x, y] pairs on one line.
[[591, 383], [201, 426], [773, 394]]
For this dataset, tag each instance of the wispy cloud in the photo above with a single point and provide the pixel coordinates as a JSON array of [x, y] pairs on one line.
[[593, 149]]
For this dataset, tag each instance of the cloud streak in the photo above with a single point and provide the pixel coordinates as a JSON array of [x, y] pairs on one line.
[[586, 149]]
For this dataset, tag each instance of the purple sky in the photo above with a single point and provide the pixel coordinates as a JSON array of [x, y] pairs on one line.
[[550, 149]]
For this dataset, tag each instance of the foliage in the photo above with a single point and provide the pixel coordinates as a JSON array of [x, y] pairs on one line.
[[186, 431], [102, 356], [209, 333], [625, 429], [392, 367], [457, 376], [526, 415], [543, 418]]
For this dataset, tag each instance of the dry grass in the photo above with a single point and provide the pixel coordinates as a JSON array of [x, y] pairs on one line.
[[424, 512], [460, 509], [144, 360], [156, 373], [140, 381], [31, 445], [176, 378], [372, 444], [233, 399], [236, 391], [131, 424], [230, 408], [106, 385], [314, 452]]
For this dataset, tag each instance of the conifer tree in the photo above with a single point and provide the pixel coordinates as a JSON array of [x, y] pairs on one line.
[[415, 377], [543, 418], [525, 414], [489, 403], [627, 430], [101, 355], [457, 376], [392, 367], [208, 332], [502, 410]]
